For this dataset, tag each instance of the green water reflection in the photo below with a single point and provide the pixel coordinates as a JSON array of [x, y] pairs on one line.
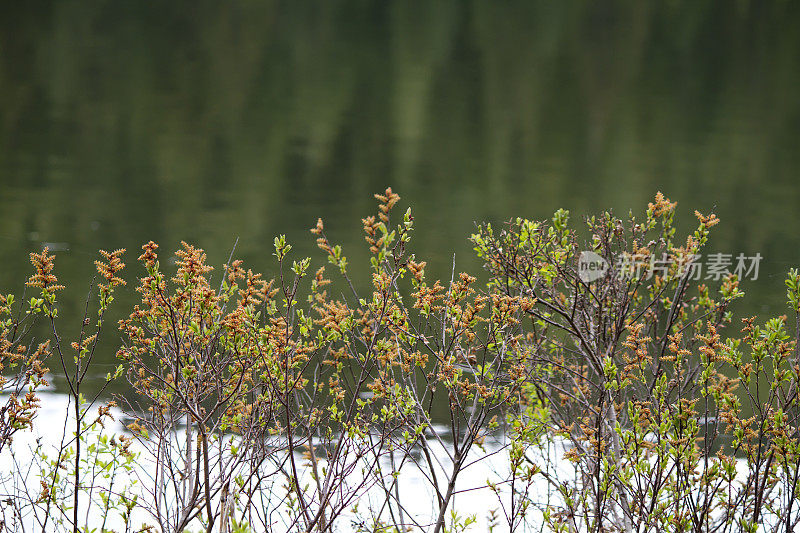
[[126, 121]]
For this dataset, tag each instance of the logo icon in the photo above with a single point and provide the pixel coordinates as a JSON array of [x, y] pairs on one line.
[[591, 266]]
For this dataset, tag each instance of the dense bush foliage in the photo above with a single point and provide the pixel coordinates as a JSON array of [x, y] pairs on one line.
[[608, 405]]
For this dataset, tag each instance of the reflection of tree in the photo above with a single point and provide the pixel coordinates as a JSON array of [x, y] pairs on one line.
[[208, 121]]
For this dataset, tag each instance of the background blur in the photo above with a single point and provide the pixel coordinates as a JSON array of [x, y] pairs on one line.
[[129, 120]]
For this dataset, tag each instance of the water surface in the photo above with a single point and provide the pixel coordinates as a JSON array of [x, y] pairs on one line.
[[126, 121]]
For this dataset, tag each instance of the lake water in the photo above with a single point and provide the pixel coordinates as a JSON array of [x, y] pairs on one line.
[[472, 497], [122, 122]]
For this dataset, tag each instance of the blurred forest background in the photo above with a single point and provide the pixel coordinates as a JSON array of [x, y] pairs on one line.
[[126, 121]]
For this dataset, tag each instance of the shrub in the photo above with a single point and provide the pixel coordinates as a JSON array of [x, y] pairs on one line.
[[632, 377], [610, 403]]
